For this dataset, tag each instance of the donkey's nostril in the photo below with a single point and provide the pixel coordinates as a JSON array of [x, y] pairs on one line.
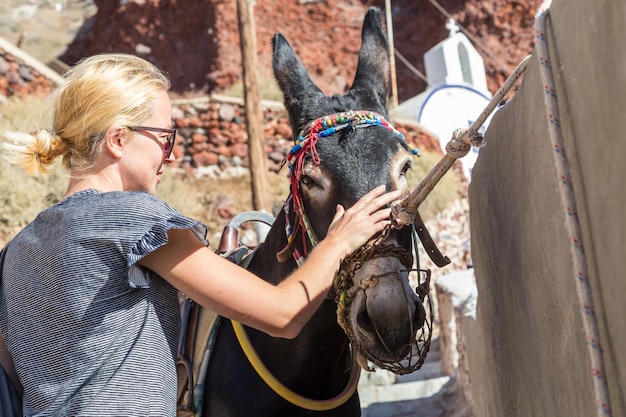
[[363, 320], [420, 315]]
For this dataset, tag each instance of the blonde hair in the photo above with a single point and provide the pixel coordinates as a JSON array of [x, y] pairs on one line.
[[99, 92]]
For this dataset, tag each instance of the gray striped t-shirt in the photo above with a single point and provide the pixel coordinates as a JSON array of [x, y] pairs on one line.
[[91, 332]]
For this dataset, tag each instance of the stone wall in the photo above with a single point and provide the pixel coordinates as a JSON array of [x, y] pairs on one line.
[[21, 75], [212, 137]]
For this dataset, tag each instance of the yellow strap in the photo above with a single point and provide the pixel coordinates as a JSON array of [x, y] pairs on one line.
[[286, 393]]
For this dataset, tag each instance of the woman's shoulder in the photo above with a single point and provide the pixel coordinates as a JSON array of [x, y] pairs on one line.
[[128, 202], [94, 213], [95, 210], [129, 199]]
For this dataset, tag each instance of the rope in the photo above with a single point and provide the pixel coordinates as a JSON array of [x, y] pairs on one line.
[[460, 144], [411, 67], [572, 225]]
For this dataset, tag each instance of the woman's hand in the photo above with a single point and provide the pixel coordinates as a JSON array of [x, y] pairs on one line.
[[351, 228]]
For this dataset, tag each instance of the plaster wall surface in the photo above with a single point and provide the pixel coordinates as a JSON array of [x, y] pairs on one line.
[[527, 349]]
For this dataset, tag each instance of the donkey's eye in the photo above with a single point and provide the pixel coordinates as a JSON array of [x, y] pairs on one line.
[[306, 180], [406, 168]]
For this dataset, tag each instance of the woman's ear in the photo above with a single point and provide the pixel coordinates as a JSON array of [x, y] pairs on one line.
[[115, 139]]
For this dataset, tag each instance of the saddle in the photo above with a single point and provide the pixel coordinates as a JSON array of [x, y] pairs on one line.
[[199, 325]]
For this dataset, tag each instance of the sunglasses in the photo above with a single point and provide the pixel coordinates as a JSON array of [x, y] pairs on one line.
[[170, 139]]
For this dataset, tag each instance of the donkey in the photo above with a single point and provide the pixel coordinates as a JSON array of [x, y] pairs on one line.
[[344, 149]]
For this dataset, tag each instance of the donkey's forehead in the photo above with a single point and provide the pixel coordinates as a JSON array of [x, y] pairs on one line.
[[359, 147], [366, 156]]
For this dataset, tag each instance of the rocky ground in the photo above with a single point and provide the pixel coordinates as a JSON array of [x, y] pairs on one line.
[[427, 392]]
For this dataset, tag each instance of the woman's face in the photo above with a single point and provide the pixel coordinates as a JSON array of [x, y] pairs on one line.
[[145, 153]]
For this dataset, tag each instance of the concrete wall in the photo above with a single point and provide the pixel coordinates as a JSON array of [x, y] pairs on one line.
[[526, 351]]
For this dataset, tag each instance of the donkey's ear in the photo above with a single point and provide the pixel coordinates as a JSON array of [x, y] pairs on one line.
[[373, 70], [294, 81]]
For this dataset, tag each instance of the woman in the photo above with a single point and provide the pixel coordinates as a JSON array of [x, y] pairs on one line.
[[88, 302]]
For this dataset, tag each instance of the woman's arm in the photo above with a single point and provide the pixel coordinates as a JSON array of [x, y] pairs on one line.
[[280, 310]]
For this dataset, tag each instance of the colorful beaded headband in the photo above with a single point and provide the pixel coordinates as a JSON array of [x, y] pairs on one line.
[[328, 125]]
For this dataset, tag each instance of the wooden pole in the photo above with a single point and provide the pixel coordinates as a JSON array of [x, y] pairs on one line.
[[261, 196], [392, 56]]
